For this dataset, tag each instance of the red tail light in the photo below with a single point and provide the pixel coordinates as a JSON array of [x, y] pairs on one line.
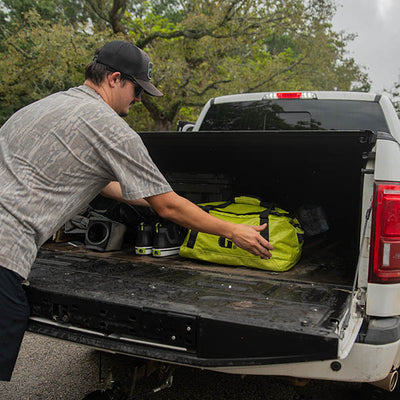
[[385, 240], [288, 95]]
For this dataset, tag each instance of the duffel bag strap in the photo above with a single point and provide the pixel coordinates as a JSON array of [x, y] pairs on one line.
[[264, 219], [193, 234], [192, 239], [209, 207]]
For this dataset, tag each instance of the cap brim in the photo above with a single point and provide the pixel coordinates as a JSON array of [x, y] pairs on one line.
[[148, 87]]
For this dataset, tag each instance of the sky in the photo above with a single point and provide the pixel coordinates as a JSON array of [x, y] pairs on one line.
[[377, 46]]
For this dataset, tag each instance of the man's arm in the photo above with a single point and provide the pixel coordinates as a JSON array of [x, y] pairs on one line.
[[183, 212], [113, 191]]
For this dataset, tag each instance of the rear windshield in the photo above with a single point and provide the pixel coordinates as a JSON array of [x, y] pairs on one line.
[[295, 114]]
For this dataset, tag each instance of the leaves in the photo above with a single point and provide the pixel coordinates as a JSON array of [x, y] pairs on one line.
[[41, 59], [225, 47], [200, 49]]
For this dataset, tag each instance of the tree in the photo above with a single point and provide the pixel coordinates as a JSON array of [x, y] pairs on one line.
[[200, 49], [209, 48], [40, 59], [101, 14], [68, 11], [394, 93]]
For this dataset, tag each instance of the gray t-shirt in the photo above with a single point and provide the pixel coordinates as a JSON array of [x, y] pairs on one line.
[[56, 155]]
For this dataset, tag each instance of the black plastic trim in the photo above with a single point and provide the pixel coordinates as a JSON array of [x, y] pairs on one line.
[[117, 345], [144, 323], [380, 331], [385, 136]]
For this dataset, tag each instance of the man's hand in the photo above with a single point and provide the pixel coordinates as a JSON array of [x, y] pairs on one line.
[[248, 238]]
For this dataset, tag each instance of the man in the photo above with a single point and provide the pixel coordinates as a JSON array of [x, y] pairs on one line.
[[58, 153]]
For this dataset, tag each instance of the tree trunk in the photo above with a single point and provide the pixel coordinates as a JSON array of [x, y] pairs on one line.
[[163, 118], [116, 14], [162, 124]]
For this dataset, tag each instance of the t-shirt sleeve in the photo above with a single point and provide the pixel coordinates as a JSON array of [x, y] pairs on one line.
[[133, 168]]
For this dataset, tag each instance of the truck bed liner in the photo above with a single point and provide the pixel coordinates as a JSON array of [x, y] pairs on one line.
[[179, 310]]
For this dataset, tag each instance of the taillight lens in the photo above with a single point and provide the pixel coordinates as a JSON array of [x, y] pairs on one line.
[[385, 240], [290, 95]]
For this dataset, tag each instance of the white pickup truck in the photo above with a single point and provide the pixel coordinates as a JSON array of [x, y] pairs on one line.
[[334, 316]]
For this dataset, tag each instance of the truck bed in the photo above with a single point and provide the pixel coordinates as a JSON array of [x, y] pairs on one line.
[[177, 310], [206, 315]]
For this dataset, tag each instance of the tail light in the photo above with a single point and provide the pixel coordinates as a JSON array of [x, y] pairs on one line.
[[385, 240], [290, 95]]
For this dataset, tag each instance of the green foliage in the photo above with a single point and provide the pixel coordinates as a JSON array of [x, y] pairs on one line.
[[222, 47], [40, 59], [200, 49], [69, 11], [394, 94]]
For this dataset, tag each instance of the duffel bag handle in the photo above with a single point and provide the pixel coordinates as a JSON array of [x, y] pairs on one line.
[[250, 200], [255, 201]]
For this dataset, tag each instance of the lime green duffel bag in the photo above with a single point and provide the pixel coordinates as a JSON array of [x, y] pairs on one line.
[[283, 232]]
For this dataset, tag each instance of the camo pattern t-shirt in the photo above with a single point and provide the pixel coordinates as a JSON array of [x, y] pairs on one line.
[[56, 155]]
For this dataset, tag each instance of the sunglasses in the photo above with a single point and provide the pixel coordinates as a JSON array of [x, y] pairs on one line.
[[138, 89]]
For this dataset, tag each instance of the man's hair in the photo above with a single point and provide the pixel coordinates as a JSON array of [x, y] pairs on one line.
[[97, 72]]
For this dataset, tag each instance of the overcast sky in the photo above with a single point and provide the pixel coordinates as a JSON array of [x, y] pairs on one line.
[[377, 47]]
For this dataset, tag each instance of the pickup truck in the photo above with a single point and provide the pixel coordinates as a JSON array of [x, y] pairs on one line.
[[334, 316]]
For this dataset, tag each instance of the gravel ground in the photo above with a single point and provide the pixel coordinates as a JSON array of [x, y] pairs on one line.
[[48, 369]]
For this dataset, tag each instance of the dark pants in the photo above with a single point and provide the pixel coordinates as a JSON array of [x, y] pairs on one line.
[[14, 314]]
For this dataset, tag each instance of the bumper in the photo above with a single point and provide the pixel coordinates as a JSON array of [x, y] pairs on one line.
[[365, 363]]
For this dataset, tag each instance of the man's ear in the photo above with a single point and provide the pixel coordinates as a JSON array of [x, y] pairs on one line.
[[113, 78]]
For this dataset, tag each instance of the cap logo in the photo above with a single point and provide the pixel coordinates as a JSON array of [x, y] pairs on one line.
[[149, 70]]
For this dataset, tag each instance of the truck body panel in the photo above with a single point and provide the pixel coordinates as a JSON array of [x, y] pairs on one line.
[[387, 163], [389, 299]]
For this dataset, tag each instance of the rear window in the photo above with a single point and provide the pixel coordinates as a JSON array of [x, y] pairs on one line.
[[295, 114]]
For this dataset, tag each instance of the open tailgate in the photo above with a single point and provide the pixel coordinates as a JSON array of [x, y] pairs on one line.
[[175, 310]]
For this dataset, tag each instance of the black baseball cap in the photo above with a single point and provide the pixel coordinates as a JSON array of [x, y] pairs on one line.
[[125, 57]]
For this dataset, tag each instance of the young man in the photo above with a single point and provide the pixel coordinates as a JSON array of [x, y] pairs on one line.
[[58, 153]]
